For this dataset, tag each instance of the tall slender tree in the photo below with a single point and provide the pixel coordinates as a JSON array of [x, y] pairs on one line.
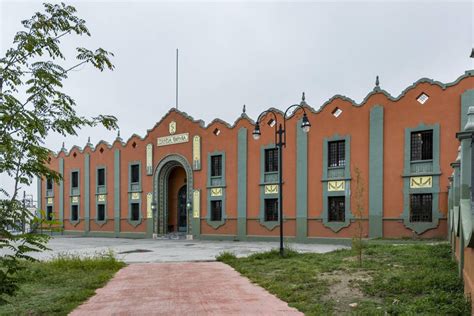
[[33, 105]]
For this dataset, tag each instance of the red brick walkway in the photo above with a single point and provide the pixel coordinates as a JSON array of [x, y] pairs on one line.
[[191, 288]]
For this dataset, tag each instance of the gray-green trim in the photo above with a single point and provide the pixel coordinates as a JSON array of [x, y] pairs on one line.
[[465, 193], [61, 191], [337, 226], [456, 198], [467, 99], [301, 183], [87, 199], [242, 182], [135, 188], [216, 182], [39, 198], [96, 215], [117, 191], [264, 179], [376, 172], [132, 235], [134, 223], [421, 227]]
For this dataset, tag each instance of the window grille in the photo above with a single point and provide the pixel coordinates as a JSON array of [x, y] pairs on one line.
[[101, 212], [74, 212], [422, 145], [421, 207], [271, 210], [135, 170], [135, 214], [101, 177], [337, 209], [216, 166], [271, 160], [75, 179], [216, 210], [422, 98], [337, 153]]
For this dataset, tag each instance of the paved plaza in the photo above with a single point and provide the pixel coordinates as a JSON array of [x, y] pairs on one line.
[[149, 250]]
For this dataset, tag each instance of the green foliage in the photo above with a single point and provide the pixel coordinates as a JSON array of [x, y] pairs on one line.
[[226, 256], [411, 279], [32, 106], [58, 286]]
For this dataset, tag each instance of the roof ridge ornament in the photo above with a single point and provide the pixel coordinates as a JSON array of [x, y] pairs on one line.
[[377, 84], [243, 109], [303, 99], [118, 135]]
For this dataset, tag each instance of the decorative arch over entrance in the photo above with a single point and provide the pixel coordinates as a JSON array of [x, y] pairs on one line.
[[160, 191]]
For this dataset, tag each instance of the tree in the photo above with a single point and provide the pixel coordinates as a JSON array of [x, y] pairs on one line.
[[32, 106]]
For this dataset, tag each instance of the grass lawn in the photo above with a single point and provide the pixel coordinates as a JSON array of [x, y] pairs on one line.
[[58, 286], [409, 279]]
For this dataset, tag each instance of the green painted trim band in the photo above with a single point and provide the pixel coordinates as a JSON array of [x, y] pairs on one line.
[[242, 182], [87, 201], [301, 182], [117, 191], [467, 99], [376, 172], [39, 183], [61, 191]]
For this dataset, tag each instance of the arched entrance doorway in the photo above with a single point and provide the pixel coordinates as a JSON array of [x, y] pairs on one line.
[[172, 195]]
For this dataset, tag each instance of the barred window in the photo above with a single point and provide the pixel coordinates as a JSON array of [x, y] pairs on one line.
[[135, 173], [216, 210], [337, 209], [216, 166], [135, 214], [422, 145], [337, 153], [101, 176], [421, 207], [101, 212], [271, 160], [75, 179], [49, 184], [49, 213], [271, 210], [74, 212]]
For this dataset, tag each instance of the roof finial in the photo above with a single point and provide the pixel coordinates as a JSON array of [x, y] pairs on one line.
[[472, 53], [377, 82], [243, 109], [89, 140], [303, 97], [118, 133], [63, 146]]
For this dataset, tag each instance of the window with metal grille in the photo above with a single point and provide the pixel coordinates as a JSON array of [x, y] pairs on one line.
[[135, 213], [271, 210], [216, 166], [49, 213], [75, 179], [337, 209], [216, 210], [74, 212], [337, 153], [135, 170], [49, 184], [421, 207], [101, 212], [422, 145], [101, 176], [271, 160]]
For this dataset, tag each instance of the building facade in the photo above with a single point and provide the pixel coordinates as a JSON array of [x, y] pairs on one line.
[[216, 182]]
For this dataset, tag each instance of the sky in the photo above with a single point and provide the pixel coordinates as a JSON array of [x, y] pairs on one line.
[[261, 54]]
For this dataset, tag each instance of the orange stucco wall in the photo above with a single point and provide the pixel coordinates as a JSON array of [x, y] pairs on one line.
[[443, 108]]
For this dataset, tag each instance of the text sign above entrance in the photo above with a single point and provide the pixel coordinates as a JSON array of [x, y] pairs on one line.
[[173, 139]]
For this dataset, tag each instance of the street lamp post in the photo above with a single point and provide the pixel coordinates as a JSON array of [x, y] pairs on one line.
[[280, 142]]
